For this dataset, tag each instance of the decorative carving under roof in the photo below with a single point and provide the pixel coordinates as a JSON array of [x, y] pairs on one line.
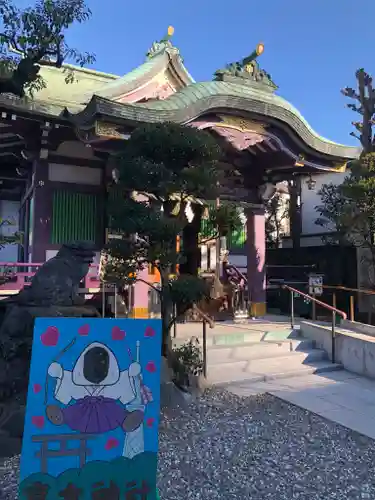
[[163, 44], [249, 71]]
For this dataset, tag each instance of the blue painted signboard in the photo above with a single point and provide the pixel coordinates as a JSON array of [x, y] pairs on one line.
[[91, 425]]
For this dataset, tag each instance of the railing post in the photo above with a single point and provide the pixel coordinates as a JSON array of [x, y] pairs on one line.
[[333, 336], [175, 321], [292, 309], [351, 298], [204, 324], [313, 305]]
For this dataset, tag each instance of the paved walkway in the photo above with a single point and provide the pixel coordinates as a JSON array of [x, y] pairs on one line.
[[341, 397]]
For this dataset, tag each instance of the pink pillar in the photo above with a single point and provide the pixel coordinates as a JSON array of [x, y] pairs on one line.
[[140, 297], [256, 260]]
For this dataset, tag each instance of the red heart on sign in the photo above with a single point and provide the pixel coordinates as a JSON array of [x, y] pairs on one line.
[[84, 330], [117, 333], [50, 337], [111, 443], [150, 422], [37, 388], [38, 421], [150, 367], [149, 332]]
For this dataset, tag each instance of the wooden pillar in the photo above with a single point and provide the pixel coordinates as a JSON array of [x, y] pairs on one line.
[[42, 207], [256, 260]]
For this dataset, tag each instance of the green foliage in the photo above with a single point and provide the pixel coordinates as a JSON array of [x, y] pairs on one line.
[[350, 207], [189, 357], [188, 290], [36, 36], [226, 218], [14, 238], [162, 167], [221, 221]]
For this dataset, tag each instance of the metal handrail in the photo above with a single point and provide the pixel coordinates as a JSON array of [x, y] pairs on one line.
[[334, 311], [346, 289], [239, 273], [358, 291]]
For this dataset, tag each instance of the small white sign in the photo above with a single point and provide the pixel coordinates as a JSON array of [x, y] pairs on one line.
[[316, 284]]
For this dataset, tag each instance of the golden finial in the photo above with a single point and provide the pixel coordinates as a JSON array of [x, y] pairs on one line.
[[170, 30], [260, 49], [248, 62]]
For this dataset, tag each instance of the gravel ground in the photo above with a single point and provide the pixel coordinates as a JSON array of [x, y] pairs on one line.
[[231, 448]]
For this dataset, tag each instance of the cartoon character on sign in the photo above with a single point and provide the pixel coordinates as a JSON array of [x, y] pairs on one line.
[[96, 396]]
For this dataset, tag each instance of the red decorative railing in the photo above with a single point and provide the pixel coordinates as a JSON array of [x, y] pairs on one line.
[[19, 274]]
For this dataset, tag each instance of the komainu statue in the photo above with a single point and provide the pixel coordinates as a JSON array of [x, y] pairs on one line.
[[53, 292]]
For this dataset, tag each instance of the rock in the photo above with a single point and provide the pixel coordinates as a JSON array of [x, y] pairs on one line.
[[166, 372], [172, 397], [198, 384], [14, 424], [9, 446]]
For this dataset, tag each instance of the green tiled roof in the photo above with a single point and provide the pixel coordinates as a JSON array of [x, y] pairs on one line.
[[216, 96]]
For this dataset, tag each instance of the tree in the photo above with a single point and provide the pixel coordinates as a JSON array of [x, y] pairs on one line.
[[162, 168], [365, 107], [277, 213], [349, 208], [14, 238], [35, 36]]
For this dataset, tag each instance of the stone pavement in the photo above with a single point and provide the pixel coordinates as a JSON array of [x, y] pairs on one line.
[[341, 397]]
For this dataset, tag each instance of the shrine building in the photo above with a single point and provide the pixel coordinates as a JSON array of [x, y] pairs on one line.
[[56, 149]]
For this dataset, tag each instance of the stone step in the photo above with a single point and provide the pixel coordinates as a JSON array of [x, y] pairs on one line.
[[222, 339], [251, 364], [264, 348], [236, 336], [187, 330], [265, 370], [257, 350]]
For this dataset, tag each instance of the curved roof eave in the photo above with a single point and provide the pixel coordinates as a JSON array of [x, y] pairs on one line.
[[197, 99], [145, 72]]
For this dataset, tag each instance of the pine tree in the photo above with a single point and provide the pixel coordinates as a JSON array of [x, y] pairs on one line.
[[163, 167]]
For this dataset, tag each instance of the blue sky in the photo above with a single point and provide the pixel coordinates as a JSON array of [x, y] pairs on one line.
[[312, 48]]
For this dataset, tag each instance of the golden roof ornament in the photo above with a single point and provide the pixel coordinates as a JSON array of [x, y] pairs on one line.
[[249, 70], [164, 43]]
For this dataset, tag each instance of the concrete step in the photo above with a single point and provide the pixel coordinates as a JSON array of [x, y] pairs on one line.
[[258, 350], [221, 336], [223, 339], [257, 364], [223, 327], [264, 370]]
